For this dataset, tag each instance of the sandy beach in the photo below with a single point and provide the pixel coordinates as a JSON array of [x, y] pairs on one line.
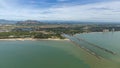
[[23, 39]]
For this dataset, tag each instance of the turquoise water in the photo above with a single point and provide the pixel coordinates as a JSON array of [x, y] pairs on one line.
[[38, 54]]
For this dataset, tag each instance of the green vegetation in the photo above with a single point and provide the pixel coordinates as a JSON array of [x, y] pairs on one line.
[[38, 35], [36, 29]]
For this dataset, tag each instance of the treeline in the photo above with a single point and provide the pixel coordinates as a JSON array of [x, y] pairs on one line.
[[52, 32], [38, 35], [61, 30]]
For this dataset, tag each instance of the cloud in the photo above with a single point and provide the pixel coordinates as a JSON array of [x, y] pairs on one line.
[[108, 11], [3, 4], [102, 12], [62, 0], [101, 8]]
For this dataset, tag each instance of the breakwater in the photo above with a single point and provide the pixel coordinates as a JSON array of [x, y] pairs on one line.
[[97, 46], [90, 51]]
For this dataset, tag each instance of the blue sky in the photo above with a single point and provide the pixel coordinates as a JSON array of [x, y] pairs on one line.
[[76, 10]]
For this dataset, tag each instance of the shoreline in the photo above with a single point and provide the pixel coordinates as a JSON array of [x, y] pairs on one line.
[[31, 39], [95, 32]]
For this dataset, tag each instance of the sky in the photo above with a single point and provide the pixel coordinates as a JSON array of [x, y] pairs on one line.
[[68, 10]]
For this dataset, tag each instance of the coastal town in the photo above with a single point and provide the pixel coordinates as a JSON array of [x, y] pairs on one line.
[[42, 30]]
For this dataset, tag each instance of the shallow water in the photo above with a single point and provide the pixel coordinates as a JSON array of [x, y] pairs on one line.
[[52, 54], [38, 54], [103, 49], [107, 40]]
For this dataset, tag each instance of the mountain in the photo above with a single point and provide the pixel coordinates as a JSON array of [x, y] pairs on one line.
[[3, 21], [29, 22]]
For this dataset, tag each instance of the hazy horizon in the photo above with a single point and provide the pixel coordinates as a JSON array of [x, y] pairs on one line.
[[63, 10]]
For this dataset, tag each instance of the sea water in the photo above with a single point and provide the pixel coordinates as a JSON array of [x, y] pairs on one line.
[[38, 54]]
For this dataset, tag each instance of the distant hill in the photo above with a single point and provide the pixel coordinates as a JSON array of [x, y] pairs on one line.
[[29, 22], [37, 22], [3, 21]]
